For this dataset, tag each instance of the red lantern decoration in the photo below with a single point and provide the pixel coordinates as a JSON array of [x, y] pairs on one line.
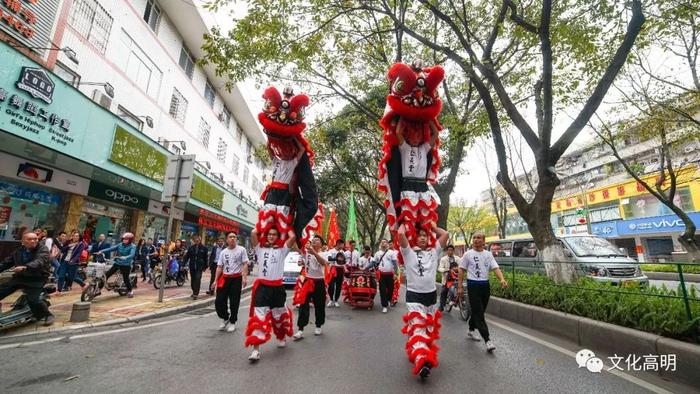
[[582, 220], [6, 200]]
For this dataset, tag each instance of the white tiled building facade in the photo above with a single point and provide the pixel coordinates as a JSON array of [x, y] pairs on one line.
[[147, 50]]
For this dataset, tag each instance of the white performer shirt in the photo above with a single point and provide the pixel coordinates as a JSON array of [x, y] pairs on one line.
[[314, 269], [363, 262], [352, 257], [387, 261], [421, 268], [232, 260], [478, 264], [271, 262], [283, 170], [414, 160]]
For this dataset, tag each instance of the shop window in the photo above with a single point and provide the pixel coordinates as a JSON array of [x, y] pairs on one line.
[[178, 106], [646, 205], [92, 22], [152, 15], [209, 94], [23, 208], [605, 213], [130, 118], [66, 74], [186, 62], [97, 218], [204, 132]]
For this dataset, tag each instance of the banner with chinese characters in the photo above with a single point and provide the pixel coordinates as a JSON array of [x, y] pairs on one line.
[[29, 21], [217, 222]]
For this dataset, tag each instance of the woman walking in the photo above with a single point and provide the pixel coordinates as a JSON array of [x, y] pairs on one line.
[[72, 251]]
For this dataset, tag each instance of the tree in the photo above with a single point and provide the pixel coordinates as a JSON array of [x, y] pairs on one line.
[[467, 220]]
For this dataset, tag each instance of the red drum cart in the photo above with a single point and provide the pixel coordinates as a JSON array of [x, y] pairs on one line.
[[362, 288]]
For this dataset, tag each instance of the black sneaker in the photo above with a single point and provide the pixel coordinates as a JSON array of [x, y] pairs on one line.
[[48, 320], [425, 371]]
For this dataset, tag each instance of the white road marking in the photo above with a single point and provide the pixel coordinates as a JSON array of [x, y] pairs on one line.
[[629, 378], [128, 307]]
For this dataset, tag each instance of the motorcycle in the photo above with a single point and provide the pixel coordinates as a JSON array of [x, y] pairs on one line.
[[465, 311], [20, 313], [179, 275], [97, 280]]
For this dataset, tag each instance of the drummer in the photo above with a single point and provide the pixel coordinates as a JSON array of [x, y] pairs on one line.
[[365, 261]]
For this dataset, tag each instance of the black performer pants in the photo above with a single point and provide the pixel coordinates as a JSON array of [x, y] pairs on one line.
[[229, 297], [319, 299], [478, 299], [336, 285], [386, 289]]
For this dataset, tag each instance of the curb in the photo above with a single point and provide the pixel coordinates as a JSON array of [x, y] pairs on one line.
[[603, 337], [672, 276], [122, 320]]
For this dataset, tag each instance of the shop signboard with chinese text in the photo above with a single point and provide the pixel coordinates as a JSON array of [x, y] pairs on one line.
[[217, 222], [29, 21]]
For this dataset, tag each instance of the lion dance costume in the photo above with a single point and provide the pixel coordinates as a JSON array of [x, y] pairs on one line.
[[407, 170], [290, 203]]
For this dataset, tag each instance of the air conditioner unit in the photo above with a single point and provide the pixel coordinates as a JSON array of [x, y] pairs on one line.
[[101, 98]]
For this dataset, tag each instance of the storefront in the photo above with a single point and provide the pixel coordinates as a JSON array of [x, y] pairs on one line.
[[155, 223], [109, 211], [216, 226]]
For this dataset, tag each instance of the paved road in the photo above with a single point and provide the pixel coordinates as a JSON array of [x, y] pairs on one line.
[[360, 351]]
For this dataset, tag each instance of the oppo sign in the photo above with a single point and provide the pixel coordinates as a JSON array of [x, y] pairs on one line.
[[112, 194]]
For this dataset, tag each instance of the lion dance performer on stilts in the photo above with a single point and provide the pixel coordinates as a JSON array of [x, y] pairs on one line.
[[406, 172], [290, 206]]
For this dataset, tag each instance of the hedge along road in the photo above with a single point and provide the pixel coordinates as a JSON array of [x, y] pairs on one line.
[[360, 349]]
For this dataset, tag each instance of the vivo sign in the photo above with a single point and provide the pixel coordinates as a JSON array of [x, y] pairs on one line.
[[658, 224]]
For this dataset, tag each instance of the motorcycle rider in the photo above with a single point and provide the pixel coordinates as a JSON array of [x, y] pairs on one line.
[[126, 251], [31, 267], [196, 256]]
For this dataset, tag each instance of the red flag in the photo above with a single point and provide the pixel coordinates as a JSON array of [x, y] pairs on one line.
[[333, 230]]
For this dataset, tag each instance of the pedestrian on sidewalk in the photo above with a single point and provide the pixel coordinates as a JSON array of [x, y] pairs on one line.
[[336, 258], [423, 317], [477, 263], [230, 275], [55, 254], [100, 245], [196, 258], [31, 267], [386, 262], [214, 260], [268, 312], [68, 270], [149, 254], [446, 262], [123, 259], [314, 288]]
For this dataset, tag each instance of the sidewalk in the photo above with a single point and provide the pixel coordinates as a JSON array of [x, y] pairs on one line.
[[110, 307]]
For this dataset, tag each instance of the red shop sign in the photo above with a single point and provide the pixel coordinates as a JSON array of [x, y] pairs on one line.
[[217, 222]]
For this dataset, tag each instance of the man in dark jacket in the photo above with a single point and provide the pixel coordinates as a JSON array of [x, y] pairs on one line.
[[213, 259], [196, 257], [99, 245], [31, 267]]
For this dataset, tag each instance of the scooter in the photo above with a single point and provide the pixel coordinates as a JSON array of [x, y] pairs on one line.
[[465, 311], [178, 275], [97, 280], [20, 313]]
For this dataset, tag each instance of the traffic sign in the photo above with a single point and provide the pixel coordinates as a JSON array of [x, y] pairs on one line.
[[178, 178]]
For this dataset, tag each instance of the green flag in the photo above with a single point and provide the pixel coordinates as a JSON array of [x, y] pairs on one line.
[[351, 232]]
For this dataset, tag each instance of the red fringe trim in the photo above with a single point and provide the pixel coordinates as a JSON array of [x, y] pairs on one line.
[[254, 323], [302, 289], [283, 326], [313, 226]]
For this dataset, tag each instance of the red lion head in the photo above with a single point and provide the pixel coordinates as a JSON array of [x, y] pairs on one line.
[[283, 116], [413, 90]]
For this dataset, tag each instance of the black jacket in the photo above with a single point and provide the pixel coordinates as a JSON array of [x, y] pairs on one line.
[[197, 257], [212, 256], [38, 266]]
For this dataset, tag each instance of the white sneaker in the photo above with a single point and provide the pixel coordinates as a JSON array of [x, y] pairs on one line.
[[298, 335], [231, 327], [282, 343], [330, 303], [317, 331], [490, 346], [337, 305], [254, 355], [224, 325], [384, 310], [473, 336]]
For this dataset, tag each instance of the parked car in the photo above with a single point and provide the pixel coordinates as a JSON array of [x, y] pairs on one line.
[[594, 256], [291, 268]]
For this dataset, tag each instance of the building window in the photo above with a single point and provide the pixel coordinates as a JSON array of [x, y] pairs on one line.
[[139, 67], [92, 22], [235, 165], [66, 74], [246, 174], [152, 15], [129, 118], [209, 94], [225, 116], [204, 132], [646, 205], [178, 106], [221, 150], [239, 134], [247, 146], [186, 62]]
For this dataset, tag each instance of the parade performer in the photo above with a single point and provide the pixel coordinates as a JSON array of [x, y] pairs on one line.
[[230, 277], [314, 288], [386, 263], [302, 287], [410, 163], [268, 312], [291, 199], [422, 322]]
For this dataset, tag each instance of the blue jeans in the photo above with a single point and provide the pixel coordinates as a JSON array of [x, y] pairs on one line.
[[56, 265], [70, 271]]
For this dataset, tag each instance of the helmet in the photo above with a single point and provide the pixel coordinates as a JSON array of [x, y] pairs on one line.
[[128, 236]]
